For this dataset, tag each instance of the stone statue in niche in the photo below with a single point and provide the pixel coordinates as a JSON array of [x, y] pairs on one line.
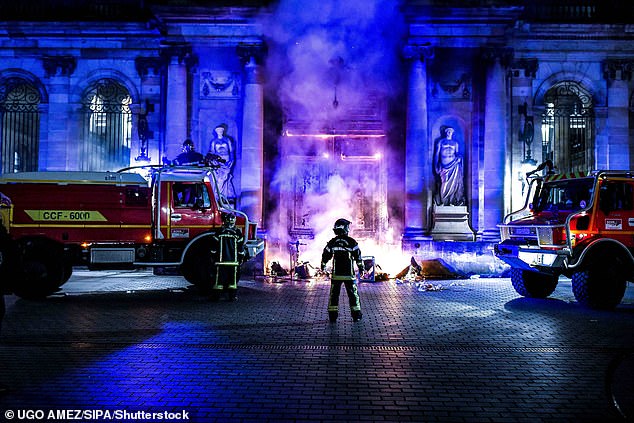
[[448, 168], [221, 151]]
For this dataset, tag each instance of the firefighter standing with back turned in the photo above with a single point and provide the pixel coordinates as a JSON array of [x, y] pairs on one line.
[[344, 252], [229, 253]]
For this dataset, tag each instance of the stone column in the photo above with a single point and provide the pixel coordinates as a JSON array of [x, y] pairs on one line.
[[493, 170], [147, 120], [54, 137], [252, 157], [176, 119], [618, 74], [418, 175]]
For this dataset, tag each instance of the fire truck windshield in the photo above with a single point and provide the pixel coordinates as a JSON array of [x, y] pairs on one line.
[[571, 195]]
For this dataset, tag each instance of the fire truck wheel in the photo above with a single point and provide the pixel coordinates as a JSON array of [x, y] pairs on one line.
[[199, 265], [41, 271], [68, 272], [599, 287], [533, 284]]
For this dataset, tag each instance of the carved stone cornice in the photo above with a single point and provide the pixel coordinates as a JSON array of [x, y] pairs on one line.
[[418, 52], [618, 69], [252, 51], [149, 66], [503, 54], [529, 66], [59, 65], [182, 52]]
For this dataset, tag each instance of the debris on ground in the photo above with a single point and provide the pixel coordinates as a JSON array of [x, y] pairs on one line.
[[303, 270], [428, 269], [277, 270], [425, 286]]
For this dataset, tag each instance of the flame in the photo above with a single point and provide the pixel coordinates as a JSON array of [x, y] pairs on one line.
[[323, 136]]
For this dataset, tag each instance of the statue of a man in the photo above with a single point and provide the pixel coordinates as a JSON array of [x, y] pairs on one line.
[[449, 171]]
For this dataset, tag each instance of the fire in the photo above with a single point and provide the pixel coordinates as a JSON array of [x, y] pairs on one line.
[[323, 136]]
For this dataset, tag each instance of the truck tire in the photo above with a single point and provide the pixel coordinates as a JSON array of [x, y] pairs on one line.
[[599, 287], [41, 269], [68, 272], [199, 266], [533, 284]]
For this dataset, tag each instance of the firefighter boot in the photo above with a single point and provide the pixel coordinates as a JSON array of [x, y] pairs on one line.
[[356, 315], [332, 315]]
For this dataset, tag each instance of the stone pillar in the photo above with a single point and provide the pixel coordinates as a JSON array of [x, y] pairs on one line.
[[618, 76], [493, 169], [176, 118], [523, 150], [147, 120], [55, 132], [418, 174], [252, 158]]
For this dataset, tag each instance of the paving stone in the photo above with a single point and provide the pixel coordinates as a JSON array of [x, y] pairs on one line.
[[472, 352]]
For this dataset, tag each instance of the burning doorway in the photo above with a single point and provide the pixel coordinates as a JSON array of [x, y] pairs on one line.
[[349, 172], [325, 175]]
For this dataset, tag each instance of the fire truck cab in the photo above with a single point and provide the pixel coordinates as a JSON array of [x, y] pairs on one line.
[[161, 219], [578, 225]]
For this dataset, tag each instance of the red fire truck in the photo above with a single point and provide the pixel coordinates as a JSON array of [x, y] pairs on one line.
[[578, 225], [56, 220]]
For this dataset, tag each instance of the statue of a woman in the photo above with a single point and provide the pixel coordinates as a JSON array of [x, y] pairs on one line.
[[449, 171], [221, 147]]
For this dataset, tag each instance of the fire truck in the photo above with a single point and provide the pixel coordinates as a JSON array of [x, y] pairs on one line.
[[158, 217], [578, 225]]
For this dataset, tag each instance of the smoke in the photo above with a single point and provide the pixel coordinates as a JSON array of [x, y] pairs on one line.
[[317, 44], [327, 60]]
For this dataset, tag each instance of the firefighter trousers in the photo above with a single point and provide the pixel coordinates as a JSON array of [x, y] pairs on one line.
[[226, 280], [353, 298]]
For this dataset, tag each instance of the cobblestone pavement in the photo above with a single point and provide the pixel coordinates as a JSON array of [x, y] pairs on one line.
[[131, 344]]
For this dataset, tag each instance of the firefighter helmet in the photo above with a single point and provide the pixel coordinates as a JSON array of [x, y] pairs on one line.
[[188, 145], [342, 227], [228, 218]]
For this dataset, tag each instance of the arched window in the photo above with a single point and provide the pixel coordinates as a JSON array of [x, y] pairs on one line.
[[568, 127], [19, 125], [107, 127]]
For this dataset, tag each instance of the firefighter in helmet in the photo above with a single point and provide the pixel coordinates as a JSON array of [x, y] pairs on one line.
[[189, 156], [229, 253], [344, 252]]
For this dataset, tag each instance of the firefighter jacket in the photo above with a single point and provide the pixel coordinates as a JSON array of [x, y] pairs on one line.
[[229, 246], [344, 252], [229, 253]]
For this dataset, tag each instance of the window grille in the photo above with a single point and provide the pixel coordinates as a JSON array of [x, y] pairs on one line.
[[107, 127], [19, 126], [568, 128]]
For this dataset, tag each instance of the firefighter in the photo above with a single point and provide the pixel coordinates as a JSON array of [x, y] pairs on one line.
[[189, 156], [229, 253], [344, 252]]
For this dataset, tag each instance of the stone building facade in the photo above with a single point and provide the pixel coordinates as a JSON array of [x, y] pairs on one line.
[[108, 84]]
